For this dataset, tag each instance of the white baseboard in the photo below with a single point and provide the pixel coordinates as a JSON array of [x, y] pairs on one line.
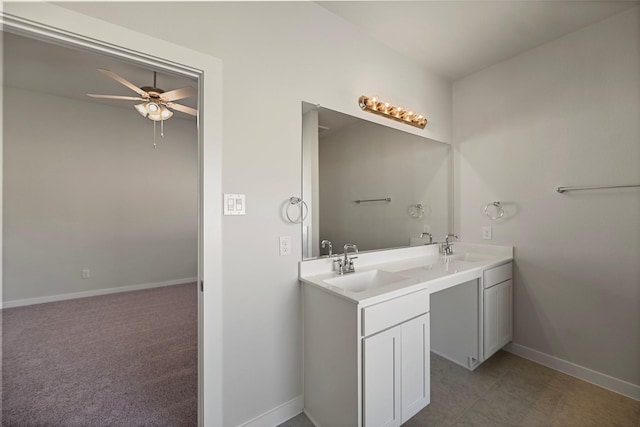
[[96, 292], [605, 381], [277, 415], [313, 421]]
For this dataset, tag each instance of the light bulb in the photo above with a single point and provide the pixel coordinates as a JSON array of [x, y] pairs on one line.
[[377, 104], [141, 109], [152, 107], [165, 113]]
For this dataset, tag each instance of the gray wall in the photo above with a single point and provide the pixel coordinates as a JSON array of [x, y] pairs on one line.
[[563, 114], [84, 188], [274, 56]]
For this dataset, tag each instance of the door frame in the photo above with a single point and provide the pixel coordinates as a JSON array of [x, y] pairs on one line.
[[53, 24]]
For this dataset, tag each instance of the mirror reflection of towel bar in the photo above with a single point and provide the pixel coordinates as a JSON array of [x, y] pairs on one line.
[[388, 199]]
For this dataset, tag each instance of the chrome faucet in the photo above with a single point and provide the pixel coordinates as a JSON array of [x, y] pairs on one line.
[[345, 265], [327, 243], [446, 248], [427, 234]]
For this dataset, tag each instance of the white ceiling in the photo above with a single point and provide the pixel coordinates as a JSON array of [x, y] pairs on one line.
[[451, 38], [70, 73], [456, 38]]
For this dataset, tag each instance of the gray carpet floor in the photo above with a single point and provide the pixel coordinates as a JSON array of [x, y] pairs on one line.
[[127, 359]]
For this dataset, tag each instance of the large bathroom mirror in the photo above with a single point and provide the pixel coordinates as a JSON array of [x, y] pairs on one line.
[[371, 185]]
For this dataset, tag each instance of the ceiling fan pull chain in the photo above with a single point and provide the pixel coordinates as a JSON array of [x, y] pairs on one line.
[[161, 128], [154, 134]]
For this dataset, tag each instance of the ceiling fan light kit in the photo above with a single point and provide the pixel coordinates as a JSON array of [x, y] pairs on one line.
[[153, 111], [157, 103]]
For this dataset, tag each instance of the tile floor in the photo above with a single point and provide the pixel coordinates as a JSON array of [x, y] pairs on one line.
[[508, 390]]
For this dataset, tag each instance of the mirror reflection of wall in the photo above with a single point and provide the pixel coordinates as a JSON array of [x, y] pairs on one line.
[[346, 159]]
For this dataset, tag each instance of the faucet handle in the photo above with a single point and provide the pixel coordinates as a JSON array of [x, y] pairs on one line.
[[350, 268], [325, 243], [446, 239], [427, 234], [350, 245]]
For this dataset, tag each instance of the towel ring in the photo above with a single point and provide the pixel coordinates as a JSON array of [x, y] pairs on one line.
[[304, 210], [499, 211], [416, 211]]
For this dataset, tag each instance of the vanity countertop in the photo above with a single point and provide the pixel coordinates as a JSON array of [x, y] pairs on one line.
[[413, 269]]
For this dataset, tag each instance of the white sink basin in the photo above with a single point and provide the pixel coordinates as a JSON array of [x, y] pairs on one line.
[[359, 282], [467, 256]]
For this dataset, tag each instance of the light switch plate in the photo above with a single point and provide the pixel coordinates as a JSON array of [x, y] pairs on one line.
[[234, 204]]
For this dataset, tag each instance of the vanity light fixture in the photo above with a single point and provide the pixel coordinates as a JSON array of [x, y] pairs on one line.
[[393, 112]]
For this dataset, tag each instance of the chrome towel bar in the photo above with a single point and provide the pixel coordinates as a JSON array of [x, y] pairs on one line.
[[387, 199], [563, 189]]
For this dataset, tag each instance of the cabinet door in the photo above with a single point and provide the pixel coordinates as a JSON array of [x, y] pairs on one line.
[[498, 319], [416, 366], [381, 379]]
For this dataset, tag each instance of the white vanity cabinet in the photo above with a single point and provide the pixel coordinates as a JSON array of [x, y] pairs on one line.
[[367, 336], [365, 365], [498, 308], [396, 372]]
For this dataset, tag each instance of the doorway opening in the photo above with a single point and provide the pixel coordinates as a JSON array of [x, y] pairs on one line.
[[49, 106]]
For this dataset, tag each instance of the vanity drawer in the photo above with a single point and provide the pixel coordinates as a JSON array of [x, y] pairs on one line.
[[393, 312], [496, 275]]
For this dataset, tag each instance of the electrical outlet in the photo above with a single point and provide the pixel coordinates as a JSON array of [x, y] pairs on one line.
[[486, 232], [285, 245], [86, 273]]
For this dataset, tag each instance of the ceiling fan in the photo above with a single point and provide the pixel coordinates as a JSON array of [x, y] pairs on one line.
[[156, 103]]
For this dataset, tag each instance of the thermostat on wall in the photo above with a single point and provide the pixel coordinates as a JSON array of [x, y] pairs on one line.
[[234, 204]]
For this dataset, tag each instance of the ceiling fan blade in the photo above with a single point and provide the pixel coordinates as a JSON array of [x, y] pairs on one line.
[[124, 98], [182, 108], [127, 83], [176, 94]]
